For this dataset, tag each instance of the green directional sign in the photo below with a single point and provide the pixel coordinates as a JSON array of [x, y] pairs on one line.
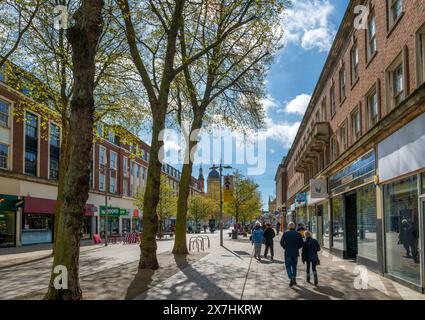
[[112, 211]]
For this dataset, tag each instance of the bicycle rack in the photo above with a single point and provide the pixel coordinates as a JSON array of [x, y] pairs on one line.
[[199, 241]]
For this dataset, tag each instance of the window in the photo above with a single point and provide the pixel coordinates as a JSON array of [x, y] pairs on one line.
[[111, 136], [343, 139], [125, 166], [366, 222], [333, 100], [112, 182], [334, 148], [420, 55], [102, 155], [354, 64], [372, 108], [113, 160], [324, 117], [125, 187], [31, 144], [101, 182], [396, 84], [3, 73], [338, 223], [395, 9], [100, 129], [356, 125], [371, 38], [342, 84], [138, 171], [4, 156], [4, 113], [54, 152]]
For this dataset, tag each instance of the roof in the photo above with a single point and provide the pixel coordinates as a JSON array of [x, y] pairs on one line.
[[213, 175]]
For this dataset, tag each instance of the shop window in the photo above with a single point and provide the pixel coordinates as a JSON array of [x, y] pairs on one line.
[[338, 223], [326, 225], [354, 63], [371, 37], [342, 84], [4, 156], [4, 113], [366, 222], [356, 125], [7, 228], [372, 108], [37, 228], [402, 229], [395, 10]]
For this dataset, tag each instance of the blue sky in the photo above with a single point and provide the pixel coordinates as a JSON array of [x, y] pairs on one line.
[[310, 27]]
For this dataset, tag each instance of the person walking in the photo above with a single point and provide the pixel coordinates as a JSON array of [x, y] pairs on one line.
[[277, 228], [309, 254], [269, 235], [291, 242], [257, 240]]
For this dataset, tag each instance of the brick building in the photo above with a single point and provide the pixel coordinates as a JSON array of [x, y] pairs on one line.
[[29, 167], [355, 172]]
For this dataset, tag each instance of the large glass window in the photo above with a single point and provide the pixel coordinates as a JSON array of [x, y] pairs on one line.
[[402, 229], [302, 216], [338, 222], [7, 228], [366, 222], [37, 229]]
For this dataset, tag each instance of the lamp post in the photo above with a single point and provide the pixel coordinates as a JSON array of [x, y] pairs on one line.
[[220, 170], [106, 203]]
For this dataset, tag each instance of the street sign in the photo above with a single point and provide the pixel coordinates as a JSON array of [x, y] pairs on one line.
[[228, 188], [112, 211]]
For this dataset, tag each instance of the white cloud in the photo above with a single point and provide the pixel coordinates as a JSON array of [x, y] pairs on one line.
[[307, 24], [269, 103], [282, 132], [299, 104]]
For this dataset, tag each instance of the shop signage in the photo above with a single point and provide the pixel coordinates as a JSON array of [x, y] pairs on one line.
[[301, 197], [318, 189], [113, 211], [9, 203], [359, 172]]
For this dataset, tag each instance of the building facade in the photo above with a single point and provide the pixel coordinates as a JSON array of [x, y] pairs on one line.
[[29, 170], [355, 172]]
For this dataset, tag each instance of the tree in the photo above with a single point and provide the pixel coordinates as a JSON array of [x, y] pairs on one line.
[[16, 18], [246, 201], [200, 208], [84, 37], [228, 81], [152, 42], [167, 202]]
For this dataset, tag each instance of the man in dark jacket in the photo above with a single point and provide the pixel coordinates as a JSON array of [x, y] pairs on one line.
[[268, 240], [309, 254], [291, 242]]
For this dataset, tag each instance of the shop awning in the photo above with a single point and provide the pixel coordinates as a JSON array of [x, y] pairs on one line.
[[47, 206]]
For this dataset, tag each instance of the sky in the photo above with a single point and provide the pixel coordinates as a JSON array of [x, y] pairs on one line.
[[309, 29]]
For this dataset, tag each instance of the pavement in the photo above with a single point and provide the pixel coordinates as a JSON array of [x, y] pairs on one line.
[[218, 273]]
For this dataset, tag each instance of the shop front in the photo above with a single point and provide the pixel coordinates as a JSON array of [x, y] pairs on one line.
[[317, 199], [353, 211], [402, 183], [301, 216], [114, 217], [39, 218], [8, 211], [136, 223]]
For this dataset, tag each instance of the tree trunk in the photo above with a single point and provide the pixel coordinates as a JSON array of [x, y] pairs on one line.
[[148, 259], [180, 243], [83, 37]]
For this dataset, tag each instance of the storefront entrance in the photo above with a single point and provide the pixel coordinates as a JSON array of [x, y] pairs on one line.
[[351, 225]]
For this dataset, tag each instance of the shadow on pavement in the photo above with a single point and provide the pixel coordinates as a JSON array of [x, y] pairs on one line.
[[307, 294]]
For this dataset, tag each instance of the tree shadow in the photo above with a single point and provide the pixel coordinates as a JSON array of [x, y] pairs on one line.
[[140, 283], [307, 294], [330, 292], [232, 252]]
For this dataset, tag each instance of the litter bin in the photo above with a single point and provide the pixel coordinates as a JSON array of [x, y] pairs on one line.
[[234, 234]]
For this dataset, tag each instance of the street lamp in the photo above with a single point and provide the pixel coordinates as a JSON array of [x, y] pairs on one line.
[[220, 170], [106, 168]]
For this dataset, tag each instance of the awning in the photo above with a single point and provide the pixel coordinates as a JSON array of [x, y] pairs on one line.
[[47, 206]]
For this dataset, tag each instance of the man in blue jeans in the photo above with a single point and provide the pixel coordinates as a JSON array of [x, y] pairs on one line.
[[291, 242]]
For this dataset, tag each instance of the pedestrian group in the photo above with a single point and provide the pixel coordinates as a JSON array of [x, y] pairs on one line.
[[292, 242]]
